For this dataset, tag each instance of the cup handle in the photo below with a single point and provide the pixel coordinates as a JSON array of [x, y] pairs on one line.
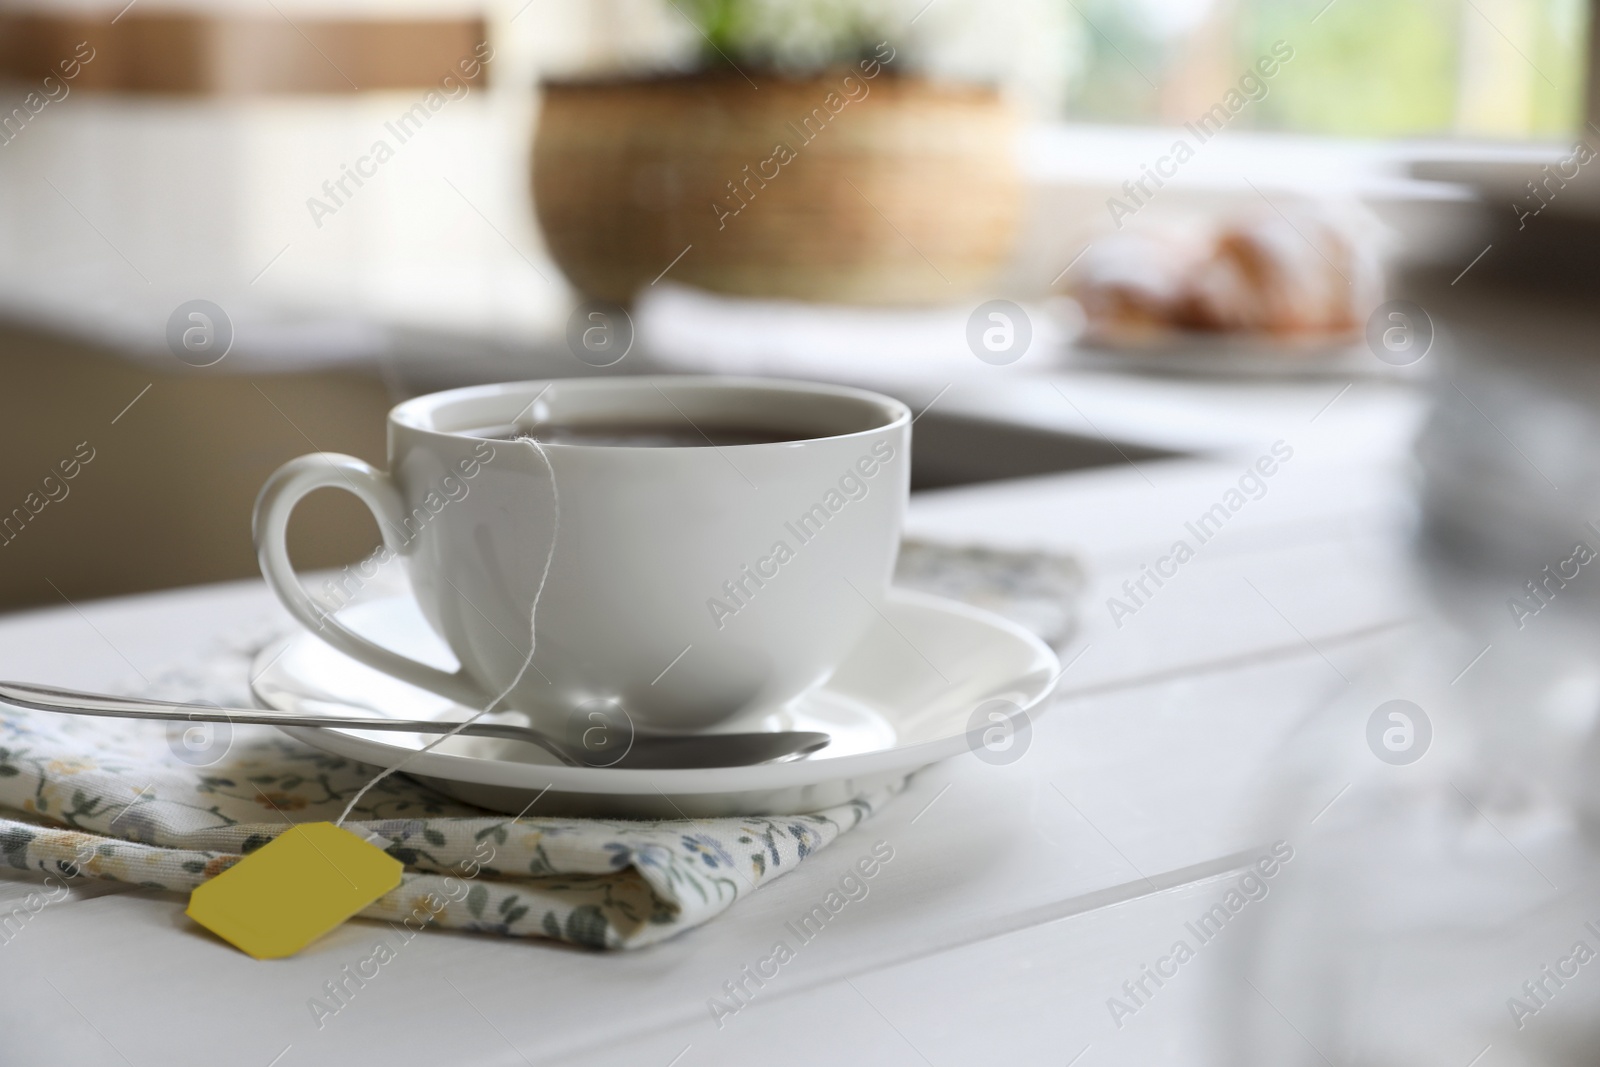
[[278, 498]]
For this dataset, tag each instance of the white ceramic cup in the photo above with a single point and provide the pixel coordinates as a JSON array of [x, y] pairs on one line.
[[685, 585]]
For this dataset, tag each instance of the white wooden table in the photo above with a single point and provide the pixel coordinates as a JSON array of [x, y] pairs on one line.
[[1020, 897]]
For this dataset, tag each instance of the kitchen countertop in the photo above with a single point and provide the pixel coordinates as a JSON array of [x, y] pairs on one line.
[[1021, 897]]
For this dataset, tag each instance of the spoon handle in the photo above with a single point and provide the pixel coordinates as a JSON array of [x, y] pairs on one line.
[[654, 752], [75, 702]]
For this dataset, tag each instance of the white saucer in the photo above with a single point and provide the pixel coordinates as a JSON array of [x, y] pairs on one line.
[[903, 699]]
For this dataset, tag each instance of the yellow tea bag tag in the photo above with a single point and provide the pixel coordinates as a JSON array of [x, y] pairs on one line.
[[291, 891]]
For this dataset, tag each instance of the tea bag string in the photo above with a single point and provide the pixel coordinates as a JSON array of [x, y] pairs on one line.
[[533, 616]]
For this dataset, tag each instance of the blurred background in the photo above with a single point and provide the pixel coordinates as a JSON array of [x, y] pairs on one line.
[[1075, 235], [1189, 203]]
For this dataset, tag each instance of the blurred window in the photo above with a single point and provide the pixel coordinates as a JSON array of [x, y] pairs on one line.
[[1511, 69]]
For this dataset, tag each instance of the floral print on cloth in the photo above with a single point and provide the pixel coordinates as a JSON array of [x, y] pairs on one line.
[[105, 798], [109, 798]]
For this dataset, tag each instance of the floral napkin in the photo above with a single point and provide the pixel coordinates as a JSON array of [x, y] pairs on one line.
[[109, 798]]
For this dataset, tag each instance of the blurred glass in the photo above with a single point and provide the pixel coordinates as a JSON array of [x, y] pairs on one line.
[[1509, 481], [1443, 905]]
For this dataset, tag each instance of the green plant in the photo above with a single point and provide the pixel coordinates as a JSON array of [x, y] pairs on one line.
[[791, 36]]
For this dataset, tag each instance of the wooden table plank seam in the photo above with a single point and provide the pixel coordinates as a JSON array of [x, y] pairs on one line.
[[1126, 893]]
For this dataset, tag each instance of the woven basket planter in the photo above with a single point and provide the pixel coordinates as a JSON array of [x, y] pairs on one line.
[[883, 191]]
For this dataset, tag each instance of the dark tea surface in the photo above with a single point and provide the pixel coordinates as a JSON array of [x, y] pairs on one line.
[[636, 435]]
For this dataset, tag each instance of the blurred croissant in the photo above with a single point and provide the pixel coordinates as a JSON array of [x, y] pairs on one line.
[[1303, 273]]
